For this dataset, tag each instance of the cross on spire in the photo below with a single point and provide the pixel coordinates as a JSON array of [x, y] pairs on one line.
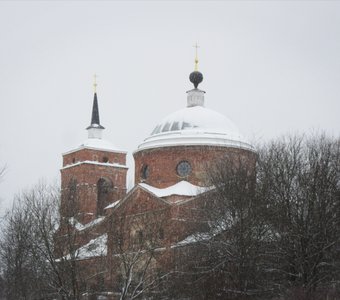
[[95, 122], [95, 83]]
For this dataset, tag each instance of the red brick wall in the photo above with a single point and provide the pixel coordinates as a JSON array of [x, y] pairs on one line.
[[94, 155], [163, 161], [141, 208], [87, 176]]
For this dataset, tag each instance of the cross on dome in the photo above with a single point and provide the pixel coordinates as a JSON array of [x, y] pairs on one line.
[[196, 77], [196, 57]]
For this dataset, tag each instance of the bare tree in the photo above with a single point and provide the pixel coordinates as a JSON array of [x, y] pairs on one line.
[[261, 233], [300, 178], [136, 243], [24, 268], [76, 253], [2, 172], [225, 259], [269, 231], [42, 259]]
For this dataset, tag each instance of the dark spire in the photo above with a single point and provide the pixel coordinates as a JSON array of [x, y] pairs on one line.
[[95, 123], [95, 111]]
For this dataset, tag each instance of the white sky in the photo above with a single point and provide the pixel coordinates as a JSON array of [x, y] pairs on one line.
[[273, 67]]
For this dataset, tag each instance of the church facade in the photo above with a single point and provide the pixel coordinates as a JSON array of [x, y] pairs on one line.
[[128, 242]]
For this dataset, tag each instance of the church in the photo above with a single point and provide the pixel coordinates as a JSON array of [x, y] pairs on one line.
[[127, 243]]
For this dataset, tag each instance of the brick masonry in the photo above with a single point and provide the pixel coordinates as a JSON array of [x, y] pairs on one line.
[[162, 163], [86, 167], [164, 221]]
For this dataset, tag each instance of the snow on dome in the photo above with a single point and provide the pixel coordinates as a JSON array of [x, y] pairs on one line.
[[195, 125], [198, 119]]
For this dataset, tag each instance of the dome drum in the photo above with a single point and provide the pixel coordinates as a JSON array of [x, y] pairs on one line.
[[168, 165]]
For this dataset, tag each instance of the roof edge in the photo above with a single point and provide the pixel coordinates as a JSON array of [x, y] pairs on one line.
[[94, 148], [198, 142]]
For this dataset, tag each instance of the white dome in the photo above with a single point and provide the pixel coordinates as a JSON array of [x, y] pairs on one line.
[[195, 125]]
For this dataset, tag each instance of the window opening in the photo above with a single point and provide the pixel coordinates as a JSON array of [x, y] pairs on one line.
[[183, 168], [145, 172], [104, 189]]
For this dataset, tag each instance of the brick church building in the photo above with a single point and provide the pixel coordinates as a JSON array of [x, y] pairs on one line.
[[126, 242]]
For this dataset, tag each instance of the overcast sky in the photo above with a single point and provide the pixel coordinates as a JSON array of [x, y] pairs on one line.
[[273, 67]]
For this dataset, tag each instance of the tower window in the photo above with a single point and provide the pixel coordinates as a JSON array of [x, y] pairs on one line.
[[183, 168], [73, 160], [105, 159], [72, 189], [145, 172], [104, 191], [70, 198]]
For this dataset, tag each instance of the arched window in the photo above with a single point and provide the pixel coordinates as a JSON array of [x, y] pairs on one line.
[[70, 200], [72, 187], [145, 171], [104, 193]]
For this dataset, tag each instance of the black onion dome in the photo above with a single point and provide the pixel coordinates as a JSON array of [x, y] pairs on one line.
[[196, 78]]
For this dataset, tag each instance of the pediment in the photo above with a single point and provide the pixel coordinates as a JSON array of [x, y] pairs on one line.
[[140, 200]]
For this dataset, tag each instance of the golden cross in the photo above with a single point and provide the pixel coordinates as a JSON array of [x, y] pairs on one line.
[[95, 82], [196, 58]]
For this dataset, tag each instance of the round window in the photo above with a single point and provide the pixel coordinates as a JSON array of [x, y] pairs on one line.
[[183, 169]]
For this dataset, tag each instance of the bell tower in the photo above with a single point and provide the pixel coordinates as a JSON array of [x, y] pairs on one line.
[[93, 175]]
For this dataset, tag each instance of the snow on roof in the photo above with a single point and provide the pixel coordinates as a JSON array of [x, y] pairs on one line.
[[195, 126], [112, 204], [217, 227], [182, 188], [91, 162], [79, 226], [194, 238], [97, 144], [94, 248]]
